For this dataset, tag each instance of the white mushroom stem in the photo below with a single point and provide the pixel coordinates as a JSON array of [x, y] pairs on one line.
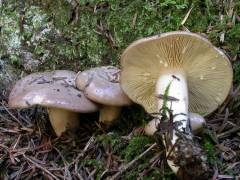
[[196, 124], [108, 114], [174, 85], [62, 120]]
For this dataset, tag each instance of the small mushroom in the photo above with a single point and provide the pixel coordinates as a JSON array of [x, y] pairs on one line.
[[196, 124], [102, 86], [56, 91], [181, 71]]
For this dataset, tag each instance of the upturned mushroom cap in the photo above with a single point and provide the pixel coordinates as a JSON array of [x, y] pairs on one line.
[[197, 122], [102, 85], [50, 89], [207, 69]]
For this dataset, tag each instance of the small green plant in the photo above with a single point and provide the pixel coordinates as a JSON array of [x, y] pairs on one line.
[[165, 99]]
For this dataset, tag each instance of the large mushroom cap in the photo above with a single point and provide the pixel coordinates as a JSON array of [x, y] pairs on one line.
[[50, 89], [208, 70], [102, 85]]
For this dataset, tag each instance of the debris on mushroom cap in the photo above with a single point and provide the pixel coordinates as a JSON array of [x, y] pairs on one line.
[[102, 85], [62, 77], [206, 69], [51, 89]]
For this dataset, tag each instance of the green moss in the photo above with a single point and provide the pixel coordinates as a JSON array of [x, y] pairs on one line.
[[84, 46], [232, 39], [60, 12], [15, 59], [135, 147], [209, 148], [64, 37], [111, 139], [212, 153]]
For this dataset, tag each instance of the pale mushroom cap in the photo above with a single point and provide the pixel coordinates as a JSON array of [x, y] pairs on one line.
[[50, 89], [207, 69], [102, 85]]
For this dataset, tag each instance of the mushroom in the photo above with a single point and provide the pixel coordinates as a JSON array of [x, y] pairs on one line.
[[56, 91], [181, 71], [102, 85], [196, 124]]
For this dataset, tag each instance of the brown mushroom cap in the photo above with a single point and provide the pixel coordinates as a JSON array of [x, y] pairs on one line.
[[50, 89], [102, 85], [208, 71]]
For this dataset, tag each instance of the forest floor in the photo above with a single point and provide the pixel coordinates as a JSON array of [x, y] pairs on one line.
[[80, 34]]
